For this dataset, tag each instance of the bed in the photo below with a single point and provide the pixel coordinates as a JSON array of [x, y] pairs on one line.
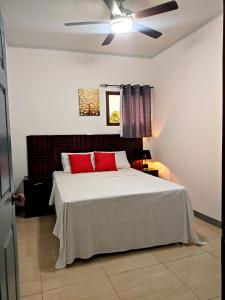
[[107, 212]]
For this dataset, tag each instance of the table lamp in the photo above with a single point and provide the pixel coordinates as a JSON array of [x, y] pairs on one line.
[[145, 154]]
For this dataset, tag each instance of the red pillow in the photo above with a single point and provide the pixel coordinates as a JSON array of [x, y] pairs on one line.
[[105, 161], [80, 163]]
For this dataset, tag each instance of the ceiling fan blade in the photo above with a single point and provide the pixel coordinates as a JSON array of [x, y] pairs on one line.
[[113, 7], [156, 10], [147, 31], [108, 39], [86, 23]]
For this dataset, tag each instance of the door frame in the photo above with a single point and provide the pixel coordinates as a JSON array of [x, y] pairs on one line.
[[223, 172]]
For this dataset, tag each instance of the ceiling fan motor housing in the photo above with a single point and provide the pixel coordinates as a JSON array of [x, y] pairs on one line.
[[122, 24]]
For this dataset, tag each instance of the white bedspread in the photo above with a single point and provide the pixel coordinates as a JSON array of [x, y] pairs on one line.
[[107, 212]]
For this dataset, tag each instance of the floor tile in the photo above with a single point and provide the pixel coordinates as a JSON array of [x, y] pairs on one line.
[[117, 263], [154, 282], [45, 226], [216, 253], [28, 251], [173, 252], [35, 227], [19, 219], [30, 281], [22, 220], [48, 246], [22, 223], [206, 231], [92, 290], [201, 273], [31, 246], [212, 245], [77, 272], [28, 229], [135, 275], [30, 238], [33, 297]]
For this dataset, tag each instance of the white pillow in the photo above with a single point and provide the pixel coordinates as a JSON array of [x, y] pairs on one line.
[[121, 159], [66, 162]]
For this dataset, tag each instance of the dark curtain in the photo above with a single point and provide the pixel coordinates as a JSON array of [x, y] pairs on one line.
[[136, 111]]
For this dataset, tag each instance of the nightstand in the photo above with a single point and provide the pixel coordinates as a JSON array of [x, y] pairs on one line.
[[37, 193], [153, 172]]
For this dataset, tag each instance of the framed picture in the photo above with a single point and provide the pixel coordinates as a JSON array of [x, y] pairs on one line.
[[112, 108], [89, 102]]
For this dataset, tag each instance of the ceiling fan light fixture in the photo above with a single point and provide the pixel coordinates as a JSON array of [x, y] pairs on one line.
[[122, 24]]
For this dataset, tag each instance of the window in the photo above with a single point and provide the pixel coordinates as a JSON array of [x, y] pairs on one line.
[[1, 50], [113, 108]]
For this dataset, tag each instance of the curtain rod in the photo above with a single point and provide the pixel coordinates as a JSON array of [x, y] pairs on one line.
[[116, 85]]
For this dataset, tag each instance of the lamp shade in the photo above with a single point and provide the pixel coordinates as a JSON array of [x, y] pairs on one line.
[[145, 154]]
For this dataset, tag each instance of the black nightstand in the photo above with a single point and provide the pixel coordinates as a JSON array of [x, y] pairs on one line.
[[153, 172], [37, 192]]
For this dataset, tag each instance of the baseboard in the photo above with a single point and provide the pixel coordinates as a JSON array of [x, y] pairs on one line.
[[207, 219]]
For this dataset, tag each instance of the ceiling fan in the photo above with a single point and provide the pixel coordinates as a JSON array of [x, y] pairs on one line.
[[123, 20]]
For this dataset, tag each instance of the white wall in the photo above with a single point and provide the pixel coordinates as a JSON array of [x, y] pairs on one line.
[[187, 105], [43, 93], [188, 115]]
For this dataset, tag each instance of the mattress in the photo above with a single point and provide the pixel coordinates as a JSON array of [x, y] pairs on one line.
[[106, 212]]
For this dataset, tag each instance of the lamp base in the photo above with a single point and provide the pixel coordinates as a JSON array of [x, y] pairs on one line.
[[145, 166]]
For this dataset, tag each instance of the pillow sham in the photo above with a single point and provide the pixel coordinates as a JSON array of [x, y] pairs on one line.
[[80, 163], [121, 160], [105, 161], [66, 163]]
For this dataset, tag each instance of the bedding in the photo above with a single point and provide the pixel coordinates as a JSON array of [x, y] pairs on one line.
[[108, 212]]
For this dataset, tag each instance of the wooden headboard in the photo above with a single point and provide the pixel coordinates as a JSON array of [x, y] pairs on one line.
[[44, 151]]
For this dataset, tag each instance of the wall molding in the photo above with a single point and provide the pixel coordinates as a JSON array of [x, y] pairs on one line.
[[207, 219]]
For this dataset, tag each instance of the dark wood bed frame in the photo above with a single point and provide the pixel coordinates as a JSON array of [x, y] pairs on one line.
[[44, 151], [44, 157]]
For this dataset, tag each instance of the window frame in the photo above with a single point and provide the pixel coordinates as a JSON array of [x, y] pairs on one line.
[[1, 49], [108, 94]]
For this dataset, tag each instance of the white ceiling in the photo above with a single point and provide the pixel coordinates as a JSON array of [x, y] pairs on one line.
[[40, 24]]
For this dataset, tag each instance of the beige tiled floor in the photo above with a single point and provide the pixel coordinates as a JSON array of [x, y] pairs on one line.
[[163, 273]]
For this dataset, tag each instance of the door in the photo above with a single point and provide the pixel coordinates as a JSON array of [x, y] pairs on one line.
[[8, 249]]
